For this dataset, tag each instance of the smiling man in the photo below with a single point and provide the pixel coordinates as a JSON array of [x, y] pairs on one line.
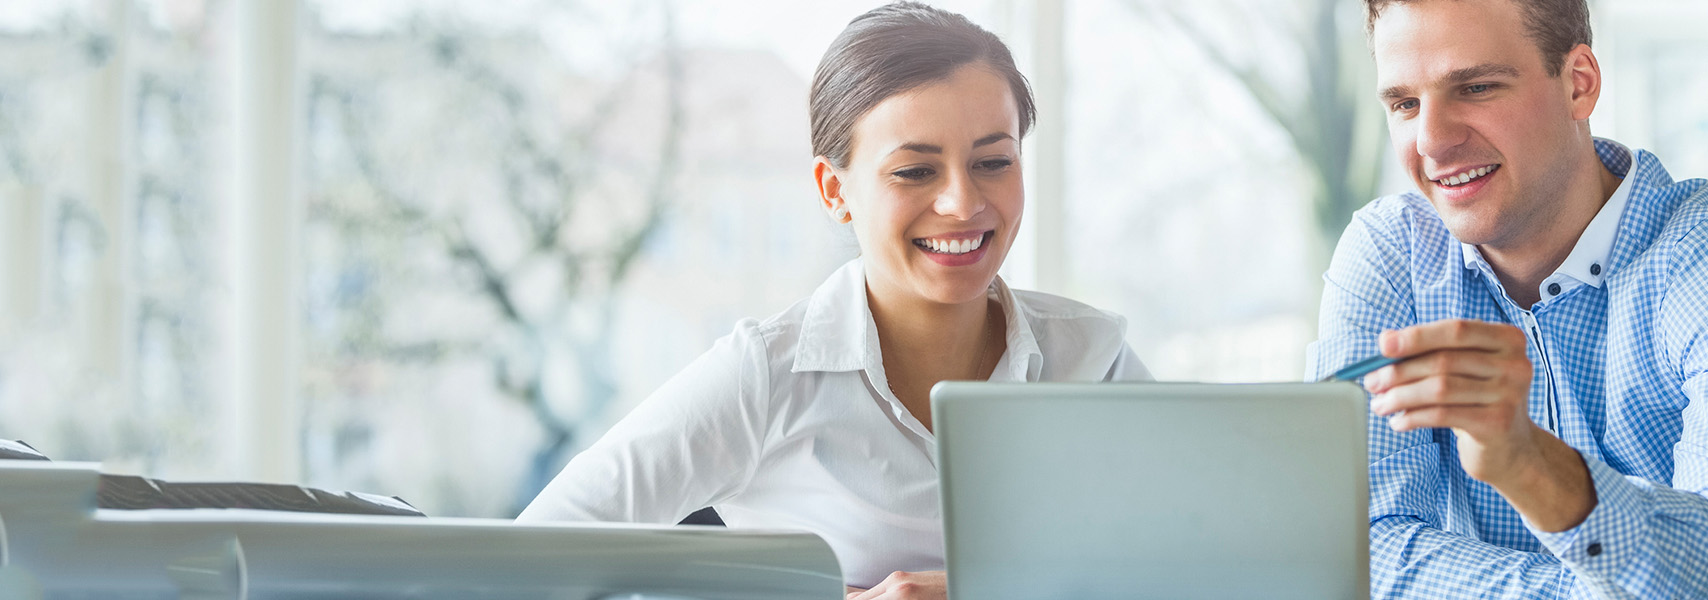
[[1547, 434]]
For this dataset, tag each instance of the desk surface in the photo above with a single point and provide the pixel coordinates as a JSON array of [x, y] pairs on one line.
[[54, 543]]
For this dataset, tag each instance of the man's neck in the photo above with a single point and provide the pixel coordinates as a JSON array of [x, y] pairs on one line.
[[1523, 265]]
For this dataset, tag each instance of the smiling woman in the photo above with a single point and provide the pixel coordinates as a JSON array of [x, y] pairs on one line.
[[818, 418]]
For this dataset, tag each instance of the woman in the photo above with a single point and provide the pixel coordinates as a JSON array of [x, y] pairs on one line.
[[819, 418]]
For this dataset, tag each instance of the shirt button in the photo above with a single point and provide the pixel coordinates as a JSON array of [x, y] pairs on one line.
[[1595, 269], [1594, 549], [1553, 289]]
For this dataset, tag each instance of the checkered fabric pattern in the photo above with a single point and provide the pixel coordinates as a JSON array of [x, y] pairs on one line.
[[1621, 374]]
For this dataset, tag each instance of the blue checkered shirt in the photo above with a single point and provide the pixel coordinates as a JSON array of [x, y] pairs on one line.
[[1621, 374]]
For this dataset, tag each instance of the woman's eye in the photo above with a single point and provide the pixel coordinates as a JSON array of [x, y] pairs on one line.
[[995, 164], [915, 174]]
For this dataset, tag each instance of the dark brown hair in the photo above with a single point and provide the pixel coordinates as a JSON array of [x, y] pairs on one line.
[[893, 49], [1556, 26]]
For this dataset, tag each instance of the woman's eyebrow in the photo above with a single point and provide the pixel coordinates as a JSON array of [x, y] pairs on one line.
[[924, 148], [992, 139], [918, 147]]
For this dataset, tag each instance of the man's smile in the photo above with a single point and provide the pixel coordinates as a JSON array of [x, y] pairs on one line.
[[1464, 176]]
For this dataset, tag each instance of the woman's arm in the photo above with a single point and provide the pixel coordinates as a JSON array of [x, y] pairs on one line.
[[693, 443]]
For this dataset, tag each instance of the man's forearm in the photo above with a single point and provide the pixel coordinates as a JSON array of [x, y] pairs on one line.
[[1553, 490], [1410, 559]]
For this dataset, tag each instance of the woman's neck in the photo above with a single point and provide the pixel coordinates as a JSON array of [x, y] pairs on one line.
[[925, 330], [926, 342]]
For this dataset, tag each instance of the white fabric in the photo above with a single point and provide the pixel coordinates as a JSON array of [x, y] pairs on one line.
[[790, 423], [1594, 246]]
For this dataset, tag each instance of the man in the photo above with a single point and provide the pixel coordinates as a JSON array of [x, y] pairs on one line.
[[1547, 434]]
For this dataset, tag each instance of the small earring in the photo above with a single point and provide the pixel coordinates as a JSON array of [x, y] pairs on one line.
[[840, 213]]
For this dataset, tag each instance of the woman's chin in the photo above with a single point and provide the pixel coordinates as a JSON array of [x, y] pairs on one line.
[[956, 292]]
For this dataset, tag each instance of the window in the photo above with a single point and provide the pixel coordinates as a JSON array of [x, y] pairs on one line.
[[110, 233], [502, 224]]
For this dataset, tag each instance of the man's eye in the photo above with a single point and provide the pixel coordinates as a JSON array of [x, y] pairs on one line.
[[1477, 88], [1405, 105], [916, 173]]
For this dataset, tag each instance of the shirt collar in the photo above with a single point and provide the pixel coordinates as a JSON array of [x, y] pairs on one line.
[[838, 333], [1587, 263], [1023, 360]]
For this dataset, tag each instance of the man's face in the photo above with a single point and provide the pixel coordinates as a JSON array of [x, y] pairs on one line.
[[1477, 122]]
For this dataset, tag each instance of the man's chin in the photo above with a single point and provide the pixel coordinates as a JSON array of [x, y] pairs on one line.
[[1473, 231]]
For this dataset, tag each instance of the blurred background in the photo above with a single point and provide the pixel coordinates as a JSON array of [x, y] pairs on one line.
[[432, 248]]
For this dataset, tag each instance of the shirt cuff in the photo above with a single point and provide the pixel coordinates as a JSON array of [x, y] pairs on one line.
[[1614, 534]]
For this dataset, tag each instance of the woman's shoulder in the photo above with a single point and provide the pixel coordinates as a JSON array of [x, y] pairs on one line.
[[1044, 308], [775, 341], [1077, 341], [779, 332]]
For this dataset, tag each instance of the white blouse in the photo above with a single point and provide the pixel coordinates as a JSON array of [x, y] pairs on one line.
[[789, 423]]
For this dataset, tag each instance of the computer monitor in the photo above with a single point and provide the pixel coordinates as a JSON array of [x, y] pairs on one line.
[[1153, 490]]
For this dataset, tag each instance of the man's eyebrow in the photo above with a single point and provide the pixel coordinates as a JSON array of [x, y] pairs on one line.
[[1456, 76], [1479, 72], [1396, 92]]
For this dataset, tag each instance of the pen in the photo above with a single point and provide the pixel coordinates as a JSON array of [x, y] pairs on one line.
[[1359, 369]]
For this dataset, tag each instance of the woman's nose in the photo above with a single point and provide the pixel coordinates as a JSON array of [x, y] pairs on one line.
[[960, 197]]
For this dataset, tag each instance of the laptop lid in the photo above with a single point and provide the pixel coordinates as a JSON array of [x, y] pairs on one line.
[[1153, 490]]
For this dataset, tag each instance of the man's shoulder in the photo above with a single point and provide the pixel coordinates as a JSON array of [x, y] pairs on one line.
[[1402, 216], [1688, 222], [1397, 233]]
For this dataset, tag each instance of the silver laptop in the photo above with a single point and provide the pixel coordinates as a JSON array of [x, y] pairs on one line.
[[1153, 490]]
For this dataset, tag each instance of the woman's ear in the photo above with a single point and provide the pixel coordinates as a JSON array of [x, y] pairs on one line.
[[830, 189]]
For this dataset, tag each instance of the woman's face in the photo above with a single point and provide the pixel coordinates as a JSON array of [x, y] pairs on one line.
[[933, 187]]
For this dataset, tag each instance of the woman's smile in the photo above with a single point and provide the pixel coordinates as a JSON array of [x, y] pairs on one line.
[[955, 249]]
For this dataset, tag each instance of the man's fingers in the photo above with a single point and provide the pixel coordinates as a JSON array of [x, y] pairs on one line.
[[1439, 390], [1441, 417], [1452, 334], [1475, 364]]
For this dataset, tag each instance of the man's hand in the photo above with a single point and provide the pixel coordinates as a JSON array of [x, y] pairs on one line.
[[901, 585], [1468, 375], [1473, 377]]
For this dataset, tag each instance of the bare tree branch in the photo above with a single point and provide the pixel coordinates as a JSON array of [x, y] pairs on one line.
[[1323, 123]]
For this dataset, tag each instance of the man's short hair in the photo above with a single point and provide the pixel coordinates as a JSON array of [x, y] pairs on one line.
[[1557, 26]]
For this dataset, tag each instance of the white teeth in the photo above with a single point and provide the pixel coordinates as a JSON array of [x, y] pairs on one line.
[[953, 246], [1466, 177]]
